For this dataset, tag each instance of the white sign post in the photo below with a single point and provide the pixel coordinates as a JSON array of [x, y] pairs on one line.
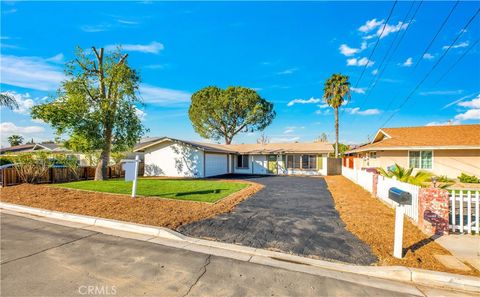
[[398, 242], [131, 172]]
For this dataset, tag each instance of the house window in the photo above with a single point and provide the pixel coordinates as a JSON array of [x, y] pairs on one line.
[[242, 161], [301, 161], [420, 159], [293, 161], [373, 155]]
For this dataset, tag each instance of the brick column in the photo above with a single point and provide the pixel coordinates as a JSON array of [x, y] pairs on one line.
[[375, 185], [433, 211]]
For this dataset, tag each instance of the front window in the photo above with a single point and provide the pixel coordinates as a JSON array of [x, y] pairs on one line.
[[242, 161], [420, 159], [302, 161]]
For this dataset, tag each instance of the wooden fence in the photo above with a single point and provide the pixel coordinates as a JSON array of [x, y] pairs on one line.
[[465, 211], [9, 176]]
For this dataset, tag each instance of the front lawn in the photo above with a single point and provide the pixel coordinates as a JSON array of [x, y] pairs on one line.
[[194, 190]]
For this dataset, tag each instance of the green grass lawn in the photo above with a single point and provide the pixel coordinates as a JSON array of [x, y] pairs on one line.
[[194, 190]]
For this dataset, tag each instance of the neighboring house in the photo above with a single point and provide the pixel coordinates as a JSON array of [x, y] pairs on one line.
[[443, 150], [48, 147], [174, 157]]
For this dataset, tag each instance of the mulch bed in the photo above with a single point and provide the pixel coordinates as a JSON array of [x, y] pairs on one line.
[[373, 222], [143, 210]]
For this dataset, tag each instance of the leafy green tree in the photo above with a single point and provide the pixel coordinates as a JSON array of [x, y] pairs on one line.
[[217, 113], [96, 105], [15, 140], [336, 89], [7, 100], [322, 138]]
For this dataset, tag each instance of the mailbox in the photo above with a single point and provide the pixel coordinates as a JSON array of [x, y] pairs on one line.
[[400, 196]]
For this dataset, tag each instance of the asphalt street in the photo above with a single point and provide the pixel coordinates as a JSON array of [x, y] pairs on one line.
[[45, 259]]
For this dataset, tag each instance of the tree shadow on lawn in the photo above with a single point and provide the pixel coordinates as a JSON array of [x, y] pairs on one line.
[[199, 192]]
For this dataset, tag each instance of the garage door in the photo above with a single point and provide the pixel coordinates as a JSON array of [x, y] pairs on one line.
[[215, 164]]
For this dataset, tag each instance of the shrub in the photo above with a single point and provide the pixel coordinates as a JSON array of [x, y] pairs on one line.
[[470, 179], [421, 178], [5, 161], [69, 161], [32, 167]]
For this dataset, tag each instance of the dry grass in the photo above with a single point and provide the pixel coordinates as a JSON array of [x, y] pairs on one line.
[[143, 210], [373, 222]]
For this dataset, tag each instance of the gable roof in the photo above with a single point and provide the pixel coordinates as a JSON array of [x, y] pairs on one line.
[[269, 148], [444, 137], [18, 148]]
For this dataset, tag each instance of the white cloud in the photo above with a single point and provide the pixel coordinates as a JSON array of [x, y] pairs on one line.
[[408, 62], [475, 103], [291, 129], [30, 72], [11, 128], [348, 51], [370, 25], [460, 45], [428, 56], [446, 92], [151, 48], [358, 90], [375, 71], [95, 28], [284, 139], [287, 71], [59, 58], [450, 122], [140, 113], [360, 62], [324, 105], [459, 100], [24, 101], [389, 29], [127, 22], [471, 114], [303, 101], [163, 96], [367, 112]]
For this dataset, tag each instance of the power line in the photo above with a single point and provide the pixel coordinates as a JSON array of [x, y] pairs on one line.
[[376, 44], [433, 68], [456, 62], [436, 35]]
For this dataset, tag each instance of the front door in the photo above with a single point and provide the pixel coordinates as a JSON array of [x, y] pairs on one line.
[[272, 164]]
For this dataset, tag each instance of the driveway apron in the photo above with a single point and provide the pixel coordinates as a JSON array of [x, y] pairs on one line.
[[291, 214]]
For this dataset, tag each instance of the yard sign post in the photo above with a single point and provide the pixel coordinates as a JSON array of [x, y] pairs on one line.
[[134, 186]]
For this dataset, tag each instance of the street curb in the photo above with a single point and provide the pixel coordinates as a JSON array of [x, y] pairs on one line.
[[271, 258]]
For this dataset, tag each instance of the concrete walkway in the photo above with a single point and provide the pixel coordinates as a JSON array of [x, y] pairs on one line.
[[464, 247], [291, 214], [45, 259]]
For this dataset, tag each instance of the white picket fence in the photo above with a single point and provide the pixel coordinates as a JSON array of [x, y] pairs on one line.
[[360, 177], [384, 184], [465, 211], [365, 180]]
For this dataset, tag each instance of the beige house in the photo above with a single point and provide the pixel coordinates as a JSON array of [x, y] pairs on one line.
[[443, 150], [166, 156]]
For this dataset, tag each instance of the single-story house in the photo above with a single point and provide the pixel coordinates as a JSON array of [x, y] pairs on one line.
[[167, 156], [442, 150]]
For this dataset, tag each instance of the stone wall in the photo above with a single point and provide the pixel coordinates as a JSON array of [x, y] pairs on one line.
[[433, 211]]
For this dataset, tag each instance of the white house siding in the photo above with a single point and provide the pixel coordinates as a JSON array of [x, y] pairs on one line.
[[260, 166], [172, 159], [242, 170], [215, 164]]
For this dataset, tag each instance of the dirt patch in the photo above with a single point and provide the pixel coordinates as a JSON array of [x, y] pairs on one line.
[[373, 222], [143, 210]]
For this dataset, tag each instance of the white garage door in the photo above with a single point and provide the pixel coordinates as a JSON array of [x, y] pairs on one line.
[[215, 164]]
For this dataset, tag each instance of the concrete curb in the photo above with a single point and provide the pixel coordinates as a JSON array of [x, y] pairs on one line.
[[281, 260]]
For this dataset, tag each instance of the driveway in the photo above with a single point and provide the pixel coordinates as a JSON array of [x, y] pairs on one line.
[[291, 214]]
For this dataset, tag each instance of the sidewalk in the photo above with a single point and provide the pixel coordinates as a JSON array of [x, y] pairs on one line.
[[464, 247]]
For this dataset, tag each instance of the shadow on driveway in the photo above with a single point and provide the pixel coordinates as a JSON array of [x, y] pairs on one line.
[[291, 214]]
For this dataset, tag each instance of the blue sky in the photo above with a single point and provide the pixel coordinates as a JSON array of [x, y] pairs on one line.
[[283, 50]]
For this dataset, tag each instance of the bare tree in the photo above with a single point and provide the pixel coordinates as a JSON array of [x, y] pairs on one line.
[[263, 139]]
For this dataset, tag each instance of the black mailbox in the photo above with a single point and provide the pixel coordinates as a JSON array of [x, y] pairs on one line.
[[400, 196]]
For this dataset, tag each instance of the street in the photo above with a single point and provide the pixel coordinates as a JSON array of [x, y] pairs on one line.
[[40, 258]]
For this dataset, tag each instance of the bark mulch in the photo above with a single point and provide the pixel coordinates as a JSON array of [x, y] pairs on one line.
[[143, 210], [373, 222]]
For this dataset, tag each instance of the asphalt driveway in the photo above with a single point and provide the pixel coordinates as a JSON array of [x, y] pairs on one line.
[[291, 214]]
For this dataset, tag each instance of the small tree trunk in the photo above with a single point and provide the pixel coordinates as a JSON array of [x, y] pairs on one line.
[[101, 170], [336, 132], [228, 140]]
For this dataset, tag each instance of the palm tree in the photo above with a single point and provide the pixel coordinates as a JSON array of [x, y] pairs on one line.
[[405, 175], [8, 101], [335, 91], [15, 140]]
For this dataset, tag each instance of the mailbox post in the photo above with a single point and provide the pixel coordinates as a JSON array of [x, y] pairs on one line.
[[402, 198], [131, 172]]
